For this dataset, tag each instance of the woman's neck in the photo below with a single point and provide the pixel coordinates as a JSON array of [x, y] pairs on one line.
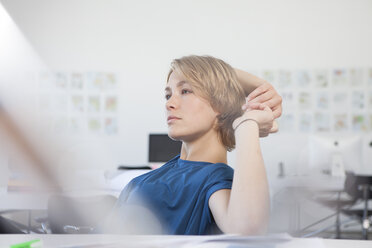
[[206, 148]]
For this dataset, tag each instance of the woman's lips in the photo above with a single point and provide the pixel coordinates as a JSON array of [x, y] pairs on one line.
[[172, 119]]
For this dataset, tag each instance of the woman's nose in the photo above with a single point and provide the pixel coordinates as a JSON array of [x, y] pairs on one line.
[[172, 102]]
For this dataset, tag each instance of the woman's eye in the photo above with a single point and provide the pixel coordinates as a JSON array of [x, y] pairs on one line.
[[167, 96], [185, 91]]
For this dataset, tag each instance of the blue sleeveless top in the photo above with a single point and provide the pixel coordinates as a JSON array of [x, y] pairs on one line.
[[178, 193]]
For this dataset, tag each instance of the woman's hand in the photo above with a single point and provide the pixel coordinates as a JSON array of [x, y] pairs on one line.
[[265, 95], [264, 117]]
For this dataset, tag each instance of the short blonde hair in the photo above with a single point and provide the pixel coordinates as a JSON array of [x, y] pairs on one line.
[[216, 81]]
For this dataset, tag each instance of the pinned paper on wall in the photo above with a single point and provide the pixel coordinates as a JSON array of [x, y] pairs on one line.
[[287, 99], [111, 103], [322, 122], [356, 77], [111, 126], [322, 100], [357, 100], [72, 98], [61, 81], [320, 78], [110, 82], [340, 101], [359, 123], [305, 123], [284, 79], [369, 77], [76, 125], [94, 104], [369, 102], [304, 100], [94, 125], [95, 81], [77, 103], [339, 78], [340, 122], [302, 78], [77, 81]]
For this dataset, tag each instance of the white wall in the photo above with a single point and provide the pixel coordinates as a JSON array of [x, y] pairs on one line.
[[138, 40]]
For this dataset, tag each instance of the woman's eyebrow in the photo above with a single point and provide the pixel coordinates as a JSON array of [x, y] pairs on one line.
[[179, 84]]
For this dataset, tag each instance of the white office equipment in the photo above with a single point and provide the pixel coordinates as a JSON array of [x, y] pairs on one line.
[[333, 154]]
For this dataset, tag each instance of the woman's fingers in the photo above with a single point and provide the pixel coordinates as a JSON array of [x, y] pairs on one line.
[[264, 97], [277, 111], [258, 91], [267, 95], [274, 128]]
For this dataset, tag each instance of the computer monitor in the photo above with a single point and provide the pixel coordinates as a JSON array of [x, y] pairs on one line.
[[161, 149], [335, 154]]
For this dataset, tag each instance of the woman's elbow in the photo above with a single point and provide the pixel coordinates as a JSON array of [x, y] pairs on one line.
[[248, 228]]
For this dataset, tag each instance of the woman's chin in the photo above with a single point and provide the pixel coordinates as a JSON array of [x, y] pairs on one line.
[[174, 137]]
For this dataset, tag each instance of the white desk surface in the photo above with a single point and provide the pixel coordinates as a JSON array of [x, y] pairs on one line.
[[111, 241]]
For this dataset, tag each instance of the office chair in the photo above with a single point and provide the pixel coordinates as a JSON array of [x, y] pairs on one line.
[[358, 189], [76, 215]]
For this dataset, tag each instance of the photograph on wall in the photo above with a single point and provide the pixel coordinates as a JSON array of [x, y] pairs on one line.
[[359, 123], [304, 100], [77, 81], [340, 100], [111, 103], [94, 81], [301, 78], [94, 125], [356, 77], [77, 125], [109, 81], [61, 81], [288, 101], [339, 78], [357, 100], [340, 122], [369, 101], [284, 79], [369, 77], [77, 103], [286, 123], [322, 100], [94, 104], [320, 78], [321, 122], [111, 126], [304, 123]]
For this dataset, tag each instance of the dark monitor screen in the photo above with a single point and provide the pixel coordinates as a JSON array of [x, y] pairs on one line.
[[162, 148]]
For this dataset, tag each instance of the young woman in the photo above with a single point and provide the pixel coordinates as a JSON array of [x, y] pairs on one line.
[[196, 192]]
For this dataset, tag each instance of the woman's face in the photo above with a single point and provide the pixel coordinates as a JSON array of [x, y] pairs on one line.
[[189, 116]]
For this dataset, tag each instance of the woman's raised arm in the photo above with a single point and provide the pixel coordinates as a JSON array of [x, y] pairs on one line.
[[259, 92], [245, 208]]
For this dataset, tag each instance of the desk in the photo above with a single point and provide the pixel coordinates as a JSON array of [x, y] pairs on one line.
[[174, 241], [293, 205]]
